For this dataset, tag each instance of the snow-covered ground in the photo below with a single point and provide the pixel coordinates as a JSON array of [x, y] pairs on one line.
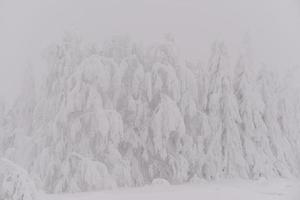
[[277, 189]]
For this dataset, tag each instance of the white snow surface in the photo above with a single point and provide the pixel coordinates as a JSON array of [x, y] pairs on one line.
[[276, 189]]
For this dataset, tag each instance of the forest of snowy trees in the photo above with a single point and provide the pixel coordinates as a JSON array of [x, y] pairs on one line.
[[123, 115]]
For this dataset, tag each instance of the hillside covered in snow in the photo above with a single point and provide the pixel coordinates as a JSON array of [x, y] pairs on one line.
[[123, 115], [277, 189]]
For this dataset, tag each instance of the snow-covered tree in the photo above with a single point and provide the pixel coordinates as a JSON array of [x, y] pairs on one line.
[[168, 132], [285, 158], [256, 145], [15, 183], [224, 117], [76, 115]]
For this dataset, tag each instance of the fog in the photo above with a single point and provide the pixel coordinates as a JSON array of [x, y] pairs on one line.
[[27, 27]]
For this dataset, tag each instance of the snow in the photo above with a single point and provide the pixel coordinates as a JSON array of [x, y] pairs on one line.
[[15, 183], [276, 189], [126, 116]]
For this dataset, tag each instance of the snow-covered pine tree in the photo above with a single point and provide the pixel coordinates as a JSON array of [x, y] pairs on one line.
[[76, 115], [285, 159], [15, 183], [253, 130], [224, 118], [17, 123]]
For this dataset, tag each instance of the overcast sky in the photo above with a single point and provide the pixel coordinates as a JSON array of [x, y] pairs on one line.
[[28, 26]]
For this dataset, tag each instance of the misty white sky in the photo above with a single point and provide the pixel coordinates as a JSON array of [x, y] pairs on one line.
[[28, 26]]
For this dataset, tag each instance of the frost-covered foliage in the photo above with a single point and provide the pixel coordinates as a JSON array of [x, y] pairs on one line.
[[127, 115], [15, 183]]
